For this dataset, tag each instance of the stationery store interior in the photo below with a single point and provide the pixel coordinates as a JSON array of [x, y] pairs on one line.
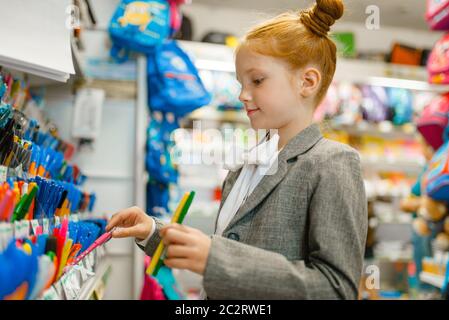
[[121, 108]]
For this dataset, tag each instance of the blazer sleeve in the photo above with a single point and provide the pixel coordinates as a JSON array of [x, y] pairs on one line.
[[154, 240], [337, 226]]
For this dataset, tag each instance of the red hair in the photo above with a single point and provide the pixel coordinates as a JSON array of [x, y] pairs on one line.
[[301, 38]]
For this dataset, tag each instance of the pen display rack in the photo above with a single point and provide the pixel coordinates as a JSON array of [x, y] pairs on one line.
[[84, 281], [46, 220]]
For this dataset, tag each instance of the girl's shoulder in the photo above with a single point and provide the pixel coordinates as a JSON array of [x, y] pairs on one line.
[[326, 149], [328, 156]]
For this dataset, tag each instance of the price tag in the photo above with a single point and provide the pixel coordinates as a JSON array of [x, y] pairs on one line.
[[3, 173], [8, 232], [85, 274], [50, 294], [71, 285], [46, 226], [19, 171], [34, 225], [60, 290], [3, 243], [17, 229], [57, 221], [26, 228]]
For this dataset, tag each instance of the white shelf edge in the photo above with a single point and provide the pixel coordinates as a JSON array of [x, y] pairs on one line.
[[90, 286]]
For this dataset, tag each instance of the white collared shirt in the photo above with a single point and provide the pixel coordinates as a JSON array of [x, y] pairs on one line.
[[255, 164]]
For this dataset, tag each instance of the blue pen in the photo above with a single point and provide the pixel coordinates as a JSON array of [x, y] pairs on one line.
[[93, 198]]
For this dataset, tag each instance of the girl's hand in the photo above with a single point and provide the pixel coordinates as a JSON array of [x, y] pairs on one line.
[[187, 248], [131, 222]]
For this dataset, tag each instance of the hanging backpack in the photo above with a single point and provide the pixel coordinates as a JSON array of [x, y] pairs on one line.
[[438, 62], [375, 104], [437, 14], [433, 121], [173, 81], [138, 26], [401, 102], [436, 180], [157, 196], [158, 160]]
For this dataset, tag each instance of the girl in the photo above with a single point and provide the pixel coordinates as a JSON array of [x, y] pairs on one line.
[[298, 233]]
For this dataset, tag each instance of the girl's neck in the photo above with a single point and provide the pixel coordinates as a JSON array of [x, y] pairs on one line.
[[287, 132]]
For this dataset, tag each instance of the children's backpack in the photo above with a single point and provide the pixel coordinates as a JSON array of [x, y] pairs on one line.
[[433, 121], [158, 160], [436, 179], [401, 102], [173, 81], [139, 26], [375, 104], [157, 195], [437, 14], [438, 62]]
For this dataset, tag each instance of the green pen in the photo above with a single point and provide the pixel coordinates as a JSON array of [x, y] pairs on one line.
[[182, 215], [24, 205]]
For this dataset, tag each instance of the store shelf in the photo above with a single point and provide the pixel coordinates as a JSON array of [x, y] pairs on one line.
[[210, 113], [387, 165], [384, 129], [433, 279], [216, 57], [97, 283], [386, 74]]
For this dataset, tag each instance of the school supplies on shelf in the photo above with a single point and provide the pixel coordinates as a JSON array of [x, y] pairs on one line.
[[38, 198], [36, 259], [34, 152], [178, 217]]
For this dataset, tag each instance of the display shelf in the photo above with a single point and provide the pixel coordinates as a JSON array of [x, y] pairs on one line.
[[433, 279], [385, 74], [216, 57], [210, 113], [96, 283], [386, 164], [384, 129]]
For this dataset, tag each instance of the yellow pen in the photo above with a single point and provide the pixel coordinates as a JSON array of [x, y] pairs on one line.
[[160, 249], [64, 256]]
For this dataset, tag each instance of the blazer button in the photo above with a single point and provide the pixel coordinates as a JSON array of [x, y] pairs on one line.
[[234, 236]]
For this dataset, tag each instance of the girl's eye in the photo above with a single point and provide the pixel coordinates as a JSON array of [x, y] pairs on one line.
[[258, 81]]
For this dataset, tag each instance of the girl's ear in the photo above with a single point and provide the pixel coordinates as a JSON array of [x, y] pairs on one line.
[[310, 80]]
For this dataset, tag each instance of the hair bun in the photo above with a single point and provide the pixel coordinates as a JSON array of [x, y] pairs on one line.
[[321, 16]]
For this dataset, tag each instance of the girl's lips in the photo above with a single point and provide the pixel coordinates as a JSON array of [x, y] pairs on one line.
[[252, 111]]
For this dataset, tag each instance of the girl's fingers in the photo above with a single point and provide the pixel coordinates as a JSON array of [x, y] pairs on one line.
[[177, 226], [175, 236], [134, 231], [178, 251], [177, 263], [119, 218], [115, 220]]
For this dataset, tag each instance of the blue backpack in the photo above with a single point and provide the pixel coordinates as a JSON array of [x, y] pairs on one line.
[[173, 81], [159, 162], [138, 26], [401, 102]]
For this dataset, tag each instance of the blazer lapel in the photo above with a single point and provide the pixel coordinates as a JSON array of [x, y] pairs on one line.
[[299, 144]]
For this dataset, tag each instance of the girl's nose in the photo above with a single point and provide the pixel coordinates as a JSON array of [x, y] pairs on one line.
[[244, 96]]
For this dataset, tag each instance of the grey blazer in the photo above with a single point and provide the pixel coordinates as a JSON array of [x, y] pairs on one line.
[[300, 234]]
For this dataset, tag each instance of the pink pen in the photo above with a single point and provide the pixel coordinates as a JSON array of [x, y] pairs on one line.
[[100, 241]]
